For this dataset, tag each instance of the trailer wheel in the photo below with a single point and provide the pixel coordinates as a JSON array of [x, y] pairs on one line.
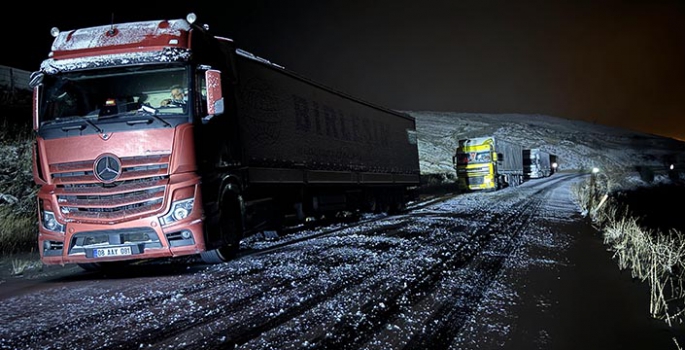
[[370, 204], [398, 206], [397, 203], [384, 204]]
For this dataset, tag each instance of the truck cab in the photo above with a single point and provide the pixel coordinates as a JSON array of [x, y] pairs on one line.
[[116, 163]]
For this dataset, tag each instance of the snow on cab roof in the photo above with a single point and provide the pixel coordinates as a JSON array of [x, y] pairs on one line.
[[121, 43], [119, 34]]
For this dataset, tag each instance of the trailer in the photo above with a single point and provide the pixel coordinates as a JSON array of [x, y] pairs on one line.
[[125, 173], [488, 163], [537, 163]]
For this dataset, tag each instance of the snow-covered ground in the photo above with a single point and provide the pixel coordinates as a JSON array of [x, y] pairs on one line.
[[453, 273]]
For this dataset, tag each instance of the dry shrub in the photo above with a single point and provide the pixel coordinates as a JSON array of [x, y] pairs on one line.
[[581, 193], [18, 220], [20, 266], [651, 256], [18, 231]]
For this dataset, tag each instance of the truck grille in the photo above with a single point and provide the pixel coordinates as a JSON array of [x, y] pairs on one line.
[[139, 191], [97, 202], [132, 168], [475, 180]]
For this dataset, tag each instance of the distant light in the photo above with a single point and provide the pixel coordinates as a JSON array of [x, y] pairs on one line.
[[54, 31], [191, 18], [595, 170], [671, 167]]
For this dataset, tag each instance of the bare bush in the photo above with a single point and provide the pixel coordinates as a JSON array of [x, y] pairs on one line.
[[19, 266], [18, 231], [18, 226], [654, 257], [581, 193]]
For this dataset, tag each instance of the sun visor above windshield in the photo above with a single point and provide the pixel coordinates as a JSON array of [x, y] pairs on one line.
[[118, 38]]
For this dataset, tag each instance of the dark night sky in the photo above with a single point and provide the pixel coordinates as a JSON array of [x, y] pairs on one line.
[[619, 63]]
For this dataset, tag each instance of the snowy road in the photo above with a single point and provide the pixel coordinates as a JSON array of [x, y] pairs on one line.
[[409, 281]]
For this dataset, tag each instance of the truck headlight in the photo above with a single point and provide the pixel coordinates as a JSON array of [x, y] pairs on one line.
[[179, 211], [50, 223]]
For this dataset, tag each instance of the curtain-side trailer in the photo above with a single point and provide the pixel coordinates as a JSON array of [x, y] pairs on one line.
[[537, 163]]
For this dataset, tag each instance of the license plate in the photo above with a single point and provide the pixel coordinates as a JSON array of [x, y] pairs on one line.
[[116, 251]]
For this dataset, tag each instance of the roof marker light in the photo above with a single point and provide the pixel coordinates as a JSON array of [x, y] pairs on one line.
[[191, 18], [54, 31]]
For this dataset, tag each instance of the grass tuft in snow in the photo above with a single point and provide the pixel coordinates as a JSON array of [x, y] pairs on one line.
[[20, 266]]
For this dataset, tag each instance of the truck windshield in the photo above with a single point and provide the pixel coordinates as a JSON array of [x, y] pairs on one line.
[[473, 157], [114, 93]]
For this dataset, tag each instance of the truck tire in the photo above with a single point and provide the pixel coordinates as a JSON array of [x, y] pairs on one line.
[[230, 212], [370, 202], [213, 256], [397, 202], [385, 204]]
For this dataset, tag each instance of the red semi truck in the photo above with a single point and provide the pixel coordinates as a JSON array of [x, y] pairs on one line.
[[126, 176]]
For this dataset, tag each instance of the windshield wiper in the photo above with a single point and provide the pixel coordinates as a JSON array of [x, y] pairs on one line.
[[95, 126], [153, 113], [80, 127], [144, 109]]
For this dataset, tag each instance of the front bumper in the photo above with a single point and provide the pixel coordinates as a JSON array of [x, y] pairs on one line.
[[145, 236], [139, 239]]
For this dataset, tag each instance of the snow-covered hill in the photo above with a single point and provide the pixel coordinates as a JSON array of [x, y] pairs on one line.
[[578, 144]]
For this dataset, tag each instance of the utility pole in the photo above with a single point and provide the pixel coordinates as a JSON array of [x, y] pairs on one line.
[[593, 190]]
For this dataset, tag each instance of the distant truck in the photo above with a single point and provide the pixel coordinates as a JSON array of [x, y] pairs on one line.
[[126, 174], [488, 163], [555, 163], [537, 163]]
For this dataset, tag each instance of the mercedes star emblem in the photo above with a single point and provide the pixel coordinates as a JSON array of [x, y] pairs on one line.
[[107, 168]]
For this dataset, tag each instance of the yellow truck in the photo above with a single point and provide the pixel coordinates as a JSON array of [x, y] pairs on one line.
[[488, 163]]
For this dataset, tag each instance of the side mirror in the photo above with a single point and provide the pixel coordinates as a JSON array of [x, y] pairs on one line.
[[215, 98]]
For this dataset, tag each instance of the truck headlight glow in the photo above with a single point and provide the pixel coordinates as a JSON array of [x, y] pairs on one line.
[[50, 223], [179, 211]]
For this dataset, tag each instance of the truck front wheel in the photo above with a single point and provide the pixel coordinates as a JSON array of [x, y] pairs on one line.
[[216, 256], [230, 228]]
